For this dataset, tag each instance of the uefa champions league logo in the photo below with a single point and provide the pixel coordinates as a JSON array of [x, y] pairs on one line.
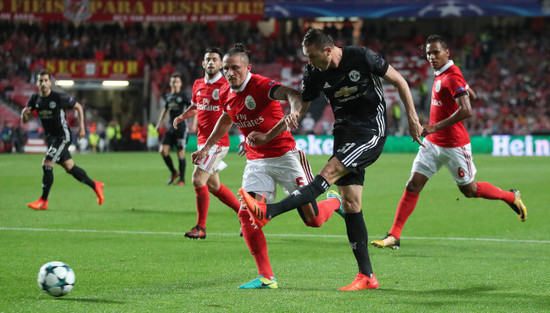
[[450, 8]]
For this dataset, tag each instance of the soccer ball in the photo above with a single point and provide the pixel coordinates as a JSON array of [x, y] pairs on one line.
[[56, 278]]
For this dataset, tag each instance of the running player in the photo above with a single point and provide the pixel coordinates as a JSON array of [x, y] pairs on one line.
[[350, 79], [207, 107], [50, 106], [175, 103], [446, 144], [250, 102]]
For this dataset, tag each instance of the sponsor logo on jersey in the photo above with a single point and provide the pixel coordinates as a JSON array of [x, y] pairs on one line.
[[354, 75], [345, 91], [216, 94], [249, 102], [250, 123], [52, 105], [207, 107], [198, 93], [437, 102], [438, 86]]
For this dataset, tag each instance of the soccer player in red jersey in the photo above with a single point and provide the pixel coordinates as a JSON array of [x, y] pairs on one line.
[[206, 105], [446, 144], [250, 102], [50, 106]]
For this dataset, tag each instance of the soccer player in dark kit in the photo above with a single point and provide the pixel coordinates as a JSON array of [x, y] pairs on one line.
[[350, 79], [50, 106], [175, 103]]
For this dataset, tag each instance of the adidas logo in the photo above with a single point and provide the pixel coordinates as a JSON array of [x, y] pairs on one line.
[[327, 85]]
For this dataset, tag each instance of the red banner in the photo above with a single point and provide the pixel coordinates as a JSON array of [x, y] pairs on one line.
[[92, 69], [132, 10]]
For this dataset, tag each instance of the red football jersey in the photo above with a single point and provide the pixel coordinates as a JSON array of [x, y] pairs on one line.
[[448, 83], [251, 109], [206, 95]]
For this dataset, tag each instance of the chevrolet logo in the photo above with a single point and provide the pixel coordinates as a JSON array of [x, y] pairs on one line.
[[345, 91]]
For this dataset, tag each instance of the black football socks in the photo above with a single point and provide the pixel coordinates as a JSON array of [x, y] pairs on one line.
[[182, 169], [81, 176], [47, 181], [168, 160], [304, 195], [358, 238]]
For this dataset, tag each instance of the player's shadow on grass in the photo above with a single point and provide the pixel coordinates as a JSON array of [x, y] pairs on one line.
[[176, 211], [91, 300]]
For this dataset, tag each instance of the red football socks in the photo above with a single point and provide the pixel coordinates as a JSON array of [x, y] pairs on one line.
[[404, 210], [203, 200], [255, 240], [489, 191], [228, 198]]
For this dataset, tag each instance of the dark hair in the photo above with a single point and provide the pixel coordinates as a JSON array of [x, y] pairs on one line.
[[436, 38], [239, 48], [176, 75], [317, 38], [44, 72], [214, 50]]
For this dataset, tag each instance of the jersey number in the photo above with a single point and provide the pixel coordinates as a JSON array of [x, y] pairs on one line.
[[461, 173], [346, 147], [51, 151], [300, 182]]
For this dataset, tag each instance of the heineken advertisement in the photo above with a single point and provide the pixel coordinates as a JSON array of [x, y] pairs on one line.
[[497, 145]]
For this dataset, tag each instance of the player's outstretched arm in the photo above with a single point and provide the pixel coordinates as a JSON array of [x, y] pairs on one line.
[[222, 127], [80, 112], [189, 112], [161, 118], [397, 80], [25, 114], [464, 111]]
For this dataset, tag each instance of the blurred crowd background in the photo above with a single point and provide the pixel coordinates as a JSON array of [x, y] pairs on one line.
[[505, 60]]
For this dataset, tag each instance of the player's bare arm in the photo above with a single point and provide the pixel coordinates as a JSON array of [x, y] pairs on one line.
[[397, 80], [297, 109], [25, 114], [464, 111], [189, 112], [80, 112], [161, 118], [222, 127], [472, 94]]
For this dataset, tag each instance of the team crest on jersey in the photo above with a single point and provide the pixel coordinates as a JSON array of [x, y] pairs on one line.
[[354, 75], [52, 105], [198, 93], [179, 99], [216, 94], [249, 102], [438, 86]]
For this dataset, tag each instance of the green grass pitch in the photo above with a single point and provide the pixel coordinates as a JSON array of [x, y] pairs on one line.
[[129, 255]]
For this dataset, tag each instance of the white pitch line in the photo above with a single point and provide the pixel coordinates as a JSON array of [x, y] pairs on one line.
[[269, 235]]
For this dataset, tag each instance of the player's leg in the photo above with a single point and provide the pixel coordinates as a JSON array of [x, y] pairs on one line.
[[164, 151], [199, 179], [47, 182], [463, 170], [224, 194], [180, 145], [425, 165], [259, 184], [307, 194], [357, 236], [293, 171], [406, 206], [81, 175]]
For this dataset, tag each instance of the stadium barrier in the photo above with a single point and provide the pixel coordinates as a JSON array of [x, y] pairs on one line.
[[497, 145]]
